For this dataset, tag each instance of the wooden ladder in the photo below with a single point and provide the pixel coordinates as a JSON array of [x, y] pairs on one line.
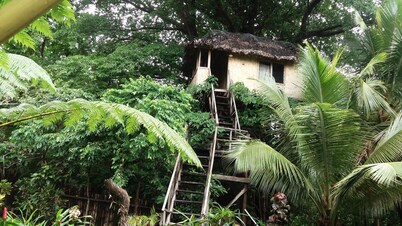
[[189, 189]]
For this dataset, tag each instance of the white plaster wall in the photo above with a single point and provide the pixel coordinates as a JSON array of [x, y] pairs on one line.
[[200, 76], [292, 81], [245, 69], [241, 69]]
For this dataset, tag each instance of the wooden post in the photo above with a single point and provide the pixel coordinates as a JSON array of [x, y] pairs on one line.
[[17, 14]]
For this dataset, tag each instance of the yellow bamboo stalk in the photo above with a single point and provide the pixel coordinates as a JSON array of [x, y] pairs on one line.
[[17, 14]]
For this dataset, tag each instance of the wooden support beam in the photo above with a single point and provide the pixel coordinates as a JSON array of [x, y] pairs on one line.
[[17, 14], [244, 190], [231, 178]]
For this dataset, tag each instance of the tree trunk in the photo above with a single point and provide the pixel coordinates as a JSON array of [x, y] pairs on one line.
[[120, 196]]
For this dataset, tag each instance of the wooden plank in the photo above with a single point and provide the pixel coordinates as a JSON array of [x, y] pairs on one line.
[[231, 178], [244, 190]]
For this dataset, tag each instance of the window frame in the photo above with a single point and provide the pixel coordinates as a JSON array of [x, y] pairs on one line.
[[271, 66]]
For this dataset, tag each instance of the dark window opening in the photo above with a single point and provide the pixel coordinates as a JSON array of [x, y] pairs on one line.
[[204, 58], [277, 72]]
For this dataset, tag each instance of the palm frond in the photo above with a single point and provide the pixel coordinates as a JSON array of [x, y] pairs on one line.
[[269, 170], [274, 97], [370, 67], [367, 98], [389, 147], [373, 188], [388, 18], [96, 113], [321, 81], [329, 141]]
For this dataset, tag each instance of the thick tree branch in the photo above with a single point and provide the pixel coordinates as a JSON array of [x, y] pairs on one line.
[[222, 12], [325, 32], [304, 21], [120, 196]]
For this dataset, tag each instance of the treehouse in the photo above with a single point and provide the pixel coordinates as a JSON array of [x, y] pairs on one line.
[[231, 58], [235, 57]]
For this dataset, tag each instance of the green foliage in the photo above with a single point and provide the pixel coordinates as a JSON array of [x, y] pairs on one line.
[[40, 191], [165, 102], [381, 37], [201, 92], [201, 127], [63, 13], [62, 217], [95, 74], [18, 73], [221, 215], [326, 138], [5, 189], [218, 215], [98, 112], [151, 220], [113, 142], [254, 115]]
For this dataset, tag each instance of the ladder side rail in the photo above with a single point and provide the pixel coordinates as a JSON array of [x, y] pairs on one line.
[[214, 109], [205, 202], [168, 202], [233, 102]]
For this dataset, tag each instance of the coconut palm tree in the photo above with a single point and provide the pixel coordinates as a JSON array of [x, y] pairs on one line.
[[335, 154], [384, 37]]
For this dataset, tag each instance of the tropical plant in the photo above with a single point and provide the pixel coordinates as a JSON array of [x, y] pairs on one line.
[[17, 73], [62, 13], [333, 150], [95, 113], [151, 220], [383, 38], [70, 216]]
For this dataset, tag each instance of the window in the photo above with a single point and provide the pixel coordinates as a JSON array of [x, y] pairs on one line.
[[271, 69], [204, 58], [277, 71], [265, 71]]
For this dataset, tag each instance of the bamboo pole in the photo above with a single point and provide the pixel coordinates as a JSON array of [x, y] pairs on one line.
[[17, 14]]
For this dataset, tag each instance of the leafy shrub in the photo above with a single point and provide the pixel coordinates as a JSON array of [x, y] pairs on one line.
[[143, 220], [69, 217]]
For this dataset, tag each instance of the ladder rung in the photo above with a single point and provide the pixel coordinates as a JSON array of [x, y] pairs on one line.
[[191, 182], [188, 191], [183, 213], [188, 201], [203, 157], [194, 173]]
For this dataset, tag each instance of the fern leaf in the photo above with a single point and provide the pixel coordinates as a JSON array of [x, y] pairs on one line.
[[3, 59], [97, 113], [63, 13], [42, 26], [24, 39]]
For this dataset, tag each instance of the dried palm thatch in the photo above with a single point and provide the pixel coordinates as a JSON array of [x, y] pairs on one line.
[[247, 45]]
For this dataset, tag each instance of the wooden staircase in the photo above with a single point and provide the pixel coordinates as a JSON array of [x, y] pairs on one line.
[[189, 189]]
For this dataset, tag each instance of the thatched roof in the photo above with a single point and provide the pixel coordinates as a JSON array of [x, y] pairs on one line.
[[247, 45]]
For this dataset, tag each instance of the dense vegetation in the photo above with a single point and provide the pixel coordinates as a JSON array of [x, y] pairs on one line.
[[107, 98]]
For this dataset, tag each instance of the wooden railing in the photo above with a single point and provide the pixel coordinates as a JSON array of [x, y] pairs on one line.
[[205, 201], [234, 111], [168, 204], [214, 109]]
